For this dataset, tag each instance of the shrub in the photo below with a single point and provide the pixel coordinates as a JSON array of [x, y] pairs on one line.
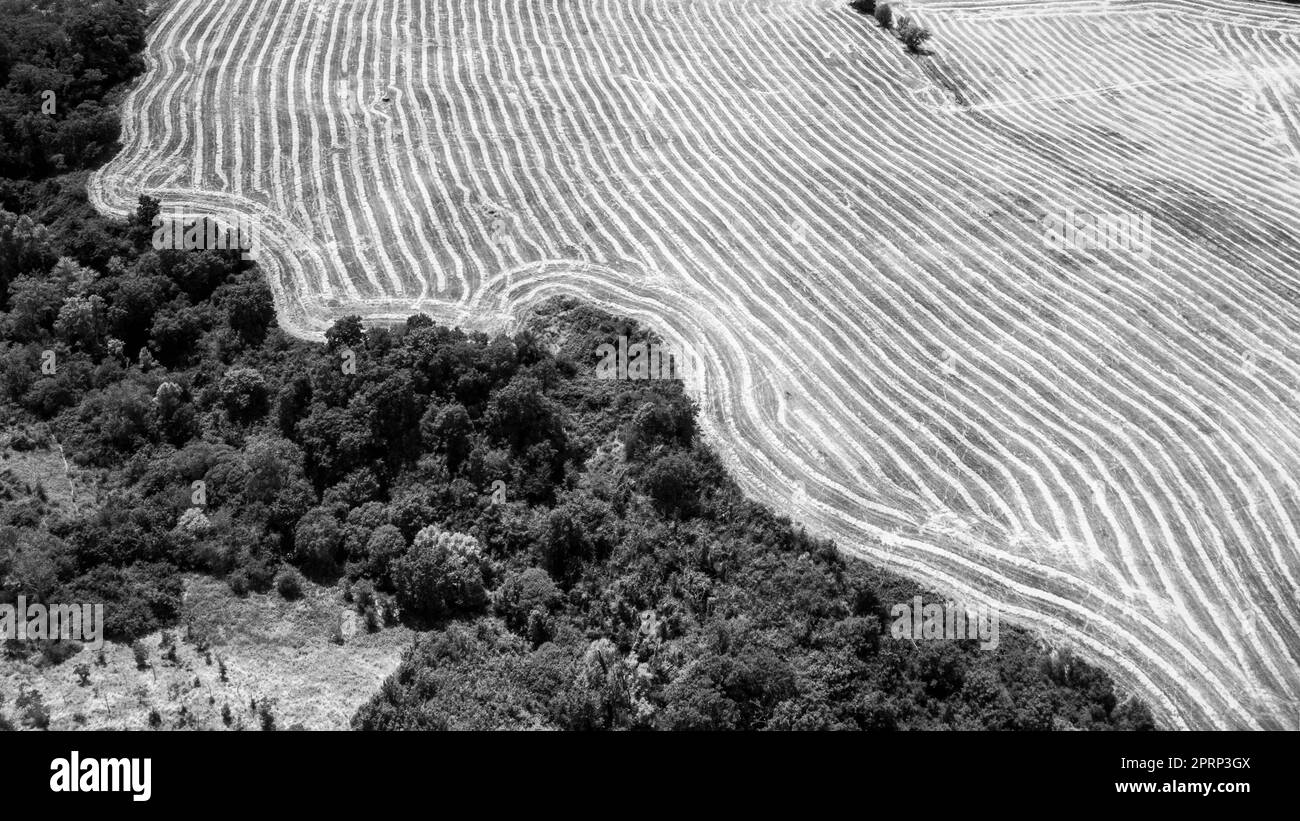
[[238, 581], [57, 652], [33, 710], [363, 595], [288, 583], [260, 572], [884, 15], [141, 654], [137, 600], [265, 715], [912, 34]]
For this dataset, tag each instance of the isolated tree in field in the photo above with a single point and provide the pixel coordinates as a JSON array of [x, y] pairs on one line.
[[912, 34], [885, 15], [863, 6]]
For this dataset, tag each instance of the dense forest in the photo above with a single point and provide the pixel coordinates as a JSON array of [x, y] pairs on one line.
[[577, 554], [59, 63]]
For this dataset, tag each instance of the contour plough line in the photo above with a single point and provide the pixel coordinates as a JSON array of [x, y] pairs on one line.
[[1103, 445]]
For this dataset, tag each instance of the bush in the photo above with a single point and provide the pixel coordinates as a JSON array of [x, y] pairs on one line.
[[238, 581], [57, 652], [137, 600], [288, 583], [141, 654], [260, 573], [32, 709], [363, 595], [265, 716], [884, 15], [912, 34]]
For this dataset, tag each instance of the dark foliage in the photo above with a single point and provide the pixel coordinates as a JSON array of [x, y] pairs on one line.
[[58, 64]]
